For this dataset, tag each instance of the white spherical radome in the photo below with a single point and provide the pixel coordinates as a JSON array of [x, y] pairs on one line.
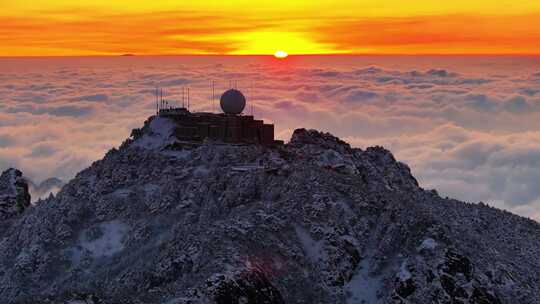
[[232, 102]]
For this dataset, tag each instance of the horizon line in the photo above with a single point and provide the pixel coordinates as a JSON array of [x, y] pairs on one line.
[[272, 55]]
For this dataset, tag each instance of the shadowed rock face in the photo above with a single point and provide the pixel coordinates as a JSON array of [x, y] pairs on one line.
[[248, 287], [314, 221], [14, 195]]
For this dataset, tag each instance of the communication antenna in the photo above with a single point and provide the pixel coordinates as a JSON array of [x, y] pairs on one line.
[[161, 93], [183, 99], [251, 97], [188, 98], [157, 103], [213, 96]]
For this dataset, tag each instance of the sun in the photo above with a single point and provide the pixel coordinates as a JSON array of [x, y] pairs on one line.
[[281, 54]]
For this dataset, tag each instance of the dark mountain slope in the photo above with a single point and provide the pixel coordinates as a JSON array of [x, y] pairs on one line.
[[314, 221]]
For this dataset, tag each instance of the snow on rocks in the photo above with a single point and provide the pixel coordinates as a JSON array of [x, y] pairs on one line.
[[102, 240], [363, 286], [157, 133], [427, 244], [404, 274], [312, 248]]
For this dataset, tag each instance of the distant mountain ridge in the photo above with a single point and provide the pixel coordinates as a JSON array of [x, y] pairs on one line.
[[160, 220], [45, 188]]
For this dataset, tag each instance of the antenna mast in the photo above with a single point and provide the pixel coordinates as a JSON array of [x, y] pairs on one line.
[[161, 97], [157, 103], [213, 97]]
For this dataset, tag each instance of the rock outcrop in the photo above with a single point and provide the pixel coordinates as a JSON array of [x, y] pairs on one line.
[[14, 195], [313, 221]]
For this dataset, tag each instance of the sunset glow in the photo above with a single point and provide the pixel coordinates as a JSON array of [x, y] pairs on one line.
[[239, 28]]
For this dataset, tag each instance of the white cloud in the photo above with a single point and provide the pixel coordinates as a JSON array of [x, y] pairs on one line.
[[471, 131]]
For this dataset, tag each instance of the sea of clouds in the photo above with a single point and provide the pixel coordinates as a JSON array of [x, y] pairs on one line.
[[467, 126]]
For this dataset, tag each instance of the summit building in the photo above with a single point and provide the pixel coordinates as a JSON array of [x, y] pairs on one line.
[[231, 126]]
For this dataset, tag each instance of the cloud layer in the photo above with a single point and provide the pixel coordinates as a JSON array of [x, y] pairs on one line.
[[468, 126]]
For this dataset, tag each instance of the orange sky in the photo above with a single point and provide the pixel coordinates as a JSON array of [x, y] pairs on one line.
[[99, 27]]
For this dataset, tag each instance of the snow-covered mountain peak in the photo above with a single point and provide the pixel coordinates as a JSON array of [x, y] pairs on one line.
[[312, 221]]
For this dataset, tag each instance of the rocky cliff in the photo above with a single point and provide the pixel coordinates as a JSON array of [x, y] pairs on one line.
[[14, 195], [314, 221]]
